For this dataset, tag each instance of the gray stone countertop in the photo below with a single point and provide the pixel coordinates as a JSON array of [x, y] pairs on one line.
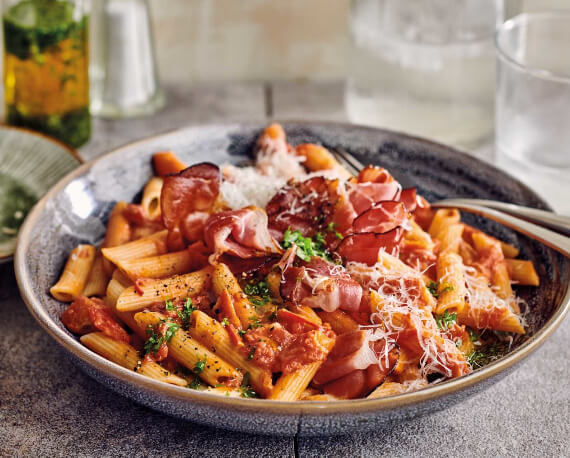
[[50, 408]]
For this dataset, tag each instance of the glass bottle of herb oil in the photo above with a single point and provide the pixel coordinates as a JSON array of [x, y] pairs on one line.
[[46, 77]]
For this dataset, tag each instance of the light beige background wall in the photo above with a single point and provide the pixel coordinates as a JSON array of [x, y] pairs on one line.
[[203, 40], [220, 40]]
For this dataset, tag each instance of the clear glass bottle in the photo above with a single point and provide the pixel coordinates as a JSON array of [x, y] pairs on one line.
[[46, 80]]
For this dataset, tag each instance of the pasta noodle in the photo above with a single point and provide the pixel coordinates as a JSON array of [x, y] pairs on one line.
[[75, 274], [126, 356]]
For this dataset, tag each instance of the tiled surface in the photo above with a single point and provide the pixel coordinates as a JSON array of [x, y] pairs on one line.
[[49, 408]]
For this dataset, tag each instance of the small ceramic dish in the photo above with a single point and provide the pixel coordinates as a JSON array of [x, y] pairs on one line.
[[76, 209], [30, 164]]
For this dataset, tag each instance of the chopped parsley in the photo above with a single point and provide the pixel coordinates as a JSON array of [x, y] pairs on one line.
[[331, 227], [241, 332], [245, 389], [184, 314], [251, 353], [432, 287], [194, 384], [473, 335], [446, 320], [484, 356], [225, 322], [436, 289], [258, 293], [306, 246], [155, 341], [255, 322], [200, 365]]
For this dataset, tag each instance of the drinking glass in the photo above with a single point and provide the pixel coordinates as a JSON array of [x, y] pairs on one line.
[[46, 81], [424, 67], [533, 91]]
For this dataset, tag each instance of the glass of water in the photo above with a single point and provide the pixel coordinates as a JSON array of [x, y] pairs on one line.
[[532, 139], [533, 92], [426, 67]]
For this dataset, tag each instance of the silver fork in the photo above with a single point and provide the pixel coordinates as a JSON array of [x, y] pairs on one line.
[[548, 228]]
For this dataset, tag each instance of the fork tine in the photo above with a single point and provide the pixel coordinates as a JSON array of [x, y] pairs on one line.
[[347, 160]]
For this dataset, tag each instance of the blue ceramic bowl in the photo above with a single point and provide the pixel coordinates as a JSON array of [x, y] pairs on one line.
[[76, 209]]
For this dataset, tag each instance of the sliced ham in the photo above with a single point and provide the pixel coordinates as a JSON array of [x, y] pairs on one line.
[[374, 174], [186, 201], [242, 233], [302, 206], [320, 284], [409, 197], [382, 217], [364, 247], [358, 352]]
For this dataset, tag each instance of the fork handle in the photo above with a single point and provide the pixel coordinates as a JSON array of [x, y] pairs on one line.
[[554, 240], [558, 223]]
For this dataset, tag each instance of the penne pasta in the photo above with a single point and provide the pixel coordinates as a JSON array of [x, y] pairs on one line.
[[487, 246], [118, 232], [97, 280], [451, 289], [150, 292], [318, 158], [443, 218], [224, 280], [75, 274], [213, 335], [522, 272], [164, 265], [166, 163], [290, 386], [209, 366], [150, 201], [450, 238], [127, 356], [152, 245]]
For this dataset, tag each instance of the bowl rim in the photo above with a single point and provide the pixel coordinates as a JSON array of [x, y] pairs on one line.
[[70, 150], [285, 408]]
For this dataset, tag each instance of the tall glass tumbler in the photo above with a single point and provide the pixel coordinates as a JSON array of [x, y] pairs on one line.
[[424, 66], [533, 102]]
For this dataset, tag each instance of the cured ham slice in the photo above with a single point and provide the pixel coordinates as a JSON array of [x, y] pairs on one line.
[[319, 284], [358, 363], [242, 233], [302, 206], [186, 201], [381, 218], [364, 247]]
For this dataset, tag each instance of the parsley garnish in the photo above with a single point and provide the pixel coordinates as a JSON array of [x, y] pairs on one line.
[[432, 287], [436, 289], [251, 353], [241, 332], [184, 314], [331, 228], [200, 365], [446, 320], [255, 322], [155, 341], [194, 384], [258, 293], [225, 322], [306, 246], [245, 389], [473, 335]]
